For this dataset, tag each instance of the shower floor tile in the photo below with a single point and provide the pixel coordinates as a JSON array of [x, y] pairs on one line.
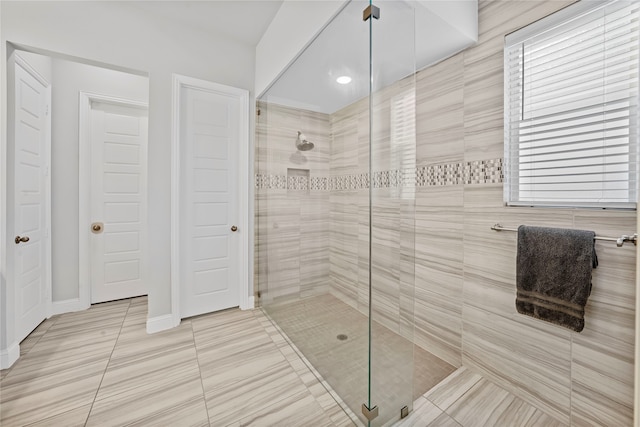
[[333, 336]]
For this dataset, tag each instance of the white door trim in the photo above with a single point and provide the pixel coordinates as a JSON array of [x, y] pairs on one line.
[[84, 214], [242, 95]]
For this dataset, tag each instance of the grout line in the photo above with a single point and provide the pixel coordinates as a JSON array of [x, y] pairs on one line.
[[204, 397], [9, 369], [459, 398], [43, 334], [108, 362], [337, 399]]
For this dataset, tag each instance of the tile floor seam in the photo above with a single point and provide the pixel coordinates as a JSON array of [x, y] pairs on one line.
[[265, 320], [274, 403], [53, 416], [454, 402], [34, 344], [433, 423], [530, 418], [115, 344], [279, 331], [458, 399], [138, 421], [43, 334], [204, 396]]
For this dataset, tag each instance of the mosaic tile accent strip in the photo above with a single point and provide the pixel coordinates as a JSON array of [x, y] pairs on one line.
[[298, 183], [270, 182], [408, 178], [319, 183], [471, 173], [387, 179], [484, 172], [362, 180], [444, 174], [349, 182]]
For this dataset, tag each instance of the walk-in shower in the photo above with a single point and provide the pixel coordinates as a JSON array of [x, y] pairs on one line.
[[335, 217], [375, 253]]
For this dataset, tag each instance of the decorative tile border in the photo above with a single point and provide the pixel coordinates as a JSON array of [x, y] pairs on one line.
[[484, 172], [477, 172], [297, 183], [319, 183], [270, 182], [445, 174], [349, 182]]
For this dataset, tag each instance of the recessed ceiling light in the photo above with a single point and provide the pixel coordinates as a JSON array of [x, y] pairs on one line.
[[343, 80]]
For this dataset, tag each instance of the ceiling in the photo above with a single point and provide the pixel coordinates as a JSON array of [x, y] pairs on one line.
[[242, 20], [409, 36]]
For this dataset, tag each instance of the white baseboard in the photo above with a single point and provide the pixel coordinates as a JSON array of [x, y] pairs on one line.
[[251, 304], [9, 355], [160, 323], [67, 306]]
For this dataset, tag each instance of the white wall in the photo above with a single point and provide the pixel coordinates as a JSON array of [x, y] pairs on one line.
[[295, 25], [116, 33], [461, 14], [69, 78]]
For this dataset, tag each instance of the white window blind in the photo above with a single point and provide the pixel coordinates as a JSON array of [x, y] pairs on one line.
[[571, 108], [403, 143]]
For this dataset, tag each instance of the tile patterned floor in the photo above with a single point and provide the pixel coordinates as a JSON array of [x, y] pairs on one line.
[[313, 325], [99, 367]]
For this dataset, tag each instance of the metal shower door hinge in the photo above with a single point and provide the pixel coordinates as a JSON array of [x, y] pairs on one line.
[[369, 414], [404, 412], [370, 11]]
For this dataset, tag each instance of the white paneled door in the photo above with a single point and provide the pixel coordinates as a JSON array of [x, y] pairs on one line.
[[209, 203], [118, 201], [31, 201]]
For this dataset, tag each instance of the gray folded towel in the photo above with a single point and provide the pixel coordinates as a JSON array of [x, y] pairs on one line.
[[554, 274]]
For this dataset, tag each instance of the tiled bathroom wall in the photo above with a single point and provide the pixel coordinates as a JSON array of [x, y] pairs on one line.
[[582, 378], [393, 181], [292, 204], [455, 294], [465, 272]]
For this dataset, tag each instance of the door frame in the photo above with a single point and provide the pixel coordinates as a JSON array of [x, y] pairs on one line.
[[11, 353], [84, 191], [180, 82]]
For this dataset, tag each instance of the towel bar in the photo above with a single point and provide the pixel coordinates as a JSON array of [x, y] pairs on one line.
[[619, 240]]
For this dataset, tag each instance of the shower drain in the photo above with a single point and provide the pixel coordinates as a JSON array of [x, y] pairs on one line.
[[342, 337]]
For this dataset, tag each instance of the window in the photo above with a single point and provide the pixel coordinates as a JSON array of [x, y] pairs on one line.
[[403, 144], [571, 108]]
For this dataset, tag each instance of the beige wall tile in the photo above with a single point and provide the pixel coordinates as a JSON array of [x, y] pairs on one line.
[[519, 354], [451, 284]]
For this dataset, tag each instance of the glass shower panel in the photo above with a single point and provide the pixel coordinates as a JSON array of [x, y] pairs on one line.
[[312, 155], [392, 203]]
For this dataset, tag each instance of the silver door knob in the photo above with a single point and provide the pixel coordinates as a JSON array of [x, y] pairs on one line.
[[96, 227], [234, 228], [23, 239]]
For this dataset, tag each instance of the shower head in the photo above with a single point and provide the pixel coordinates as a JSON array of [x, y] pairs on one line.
[[302, 144]]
